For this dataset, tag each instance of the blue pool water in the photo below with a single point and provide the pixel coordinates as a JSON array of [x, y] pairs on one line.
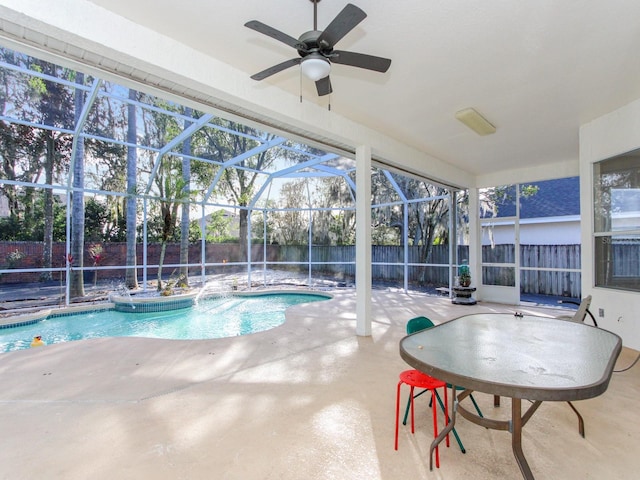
[[216, 317]]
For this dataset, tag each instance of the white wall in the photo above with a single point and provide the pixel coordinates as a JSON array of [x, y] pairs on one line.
[[541, 231], [607, 136]]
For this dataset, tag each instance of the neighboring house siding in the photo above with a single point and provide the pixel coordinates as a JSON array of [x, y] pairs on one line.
[[537, 231], [549, 217]]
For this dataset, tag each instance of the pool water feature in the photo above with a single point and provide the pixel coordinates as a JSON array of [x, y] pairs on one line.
[[214, 317]]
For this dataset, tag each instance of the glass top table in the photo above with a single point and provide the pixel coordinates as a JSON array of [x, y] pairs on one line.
[[516, 356]]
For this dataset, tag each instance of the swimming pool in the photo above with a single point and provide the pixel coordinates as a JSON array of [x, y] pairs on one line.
[[215, 317]]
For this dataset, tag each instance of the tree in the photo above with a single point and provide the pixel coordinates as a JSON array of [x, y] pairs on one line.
[[131, 279], [98, 225], [184, 223], [173, 194], [427, 220], [238, 181], [18, 145], [171, 179], [76, 287], [387, 219], [55, 106], [217, 227], [335, 225], [28, 151], [290, 222], [106, 169]]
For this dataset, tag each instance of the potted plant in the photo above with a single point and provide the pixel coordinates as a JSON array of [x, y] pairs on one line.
[[465, 276]]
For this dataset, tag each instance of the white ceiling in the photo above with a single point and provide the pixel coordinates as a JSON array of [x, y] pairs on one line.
[[536, 70]]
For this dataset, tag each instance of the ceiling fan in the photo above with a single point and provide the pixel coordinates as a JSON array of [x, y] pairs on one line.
[[316, 48]]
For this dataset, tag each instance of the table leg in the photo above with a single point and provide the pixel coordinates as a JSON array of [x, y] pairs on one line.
[[446, 430], [496, 400], [580, 420], [516, 438]]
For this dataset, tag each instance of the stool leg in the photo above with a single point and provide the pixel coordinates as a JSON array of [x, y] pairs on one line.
[[406, 412], [455, 434], [435, 426], [446, 411], [475, 404], [397, 411], [413, 430]]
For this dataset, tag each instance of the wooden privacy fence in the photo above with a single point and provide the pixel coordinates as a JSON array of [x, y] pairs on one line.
[[545, 269], [541, 274], [550, 282]]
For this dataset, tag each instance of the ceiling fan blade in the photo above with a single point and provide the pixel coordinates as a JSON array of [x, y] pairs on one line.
[[345, 21], [324, 86], [276, 68], [273, 33], [360, 60]]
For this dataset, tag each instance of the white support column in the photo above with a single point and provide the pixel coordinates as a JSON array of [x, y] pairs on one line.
[[405, 243], [203, 247], [475, 241], [249, 252], [363, 240], [145, 243], [453, 238]]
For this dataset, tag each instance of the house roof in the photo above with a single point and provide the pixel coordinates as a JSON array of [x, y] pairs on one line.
[[553, 198]]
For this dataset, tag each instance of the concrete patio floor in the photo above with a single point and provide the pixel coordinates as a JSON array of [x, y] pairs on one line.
[[308, 399]]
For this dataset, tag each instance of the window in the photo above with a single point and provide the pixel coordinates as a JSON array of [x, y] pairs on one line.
[[617, 222]]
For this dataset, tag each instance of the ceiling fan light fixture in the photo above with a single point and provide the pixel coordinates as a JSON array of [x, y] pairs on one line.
[[476, 122], [315, 67]]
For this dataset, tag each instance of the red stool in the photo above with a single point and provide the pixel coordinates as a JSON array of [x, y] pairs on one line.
[[414, 379]]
